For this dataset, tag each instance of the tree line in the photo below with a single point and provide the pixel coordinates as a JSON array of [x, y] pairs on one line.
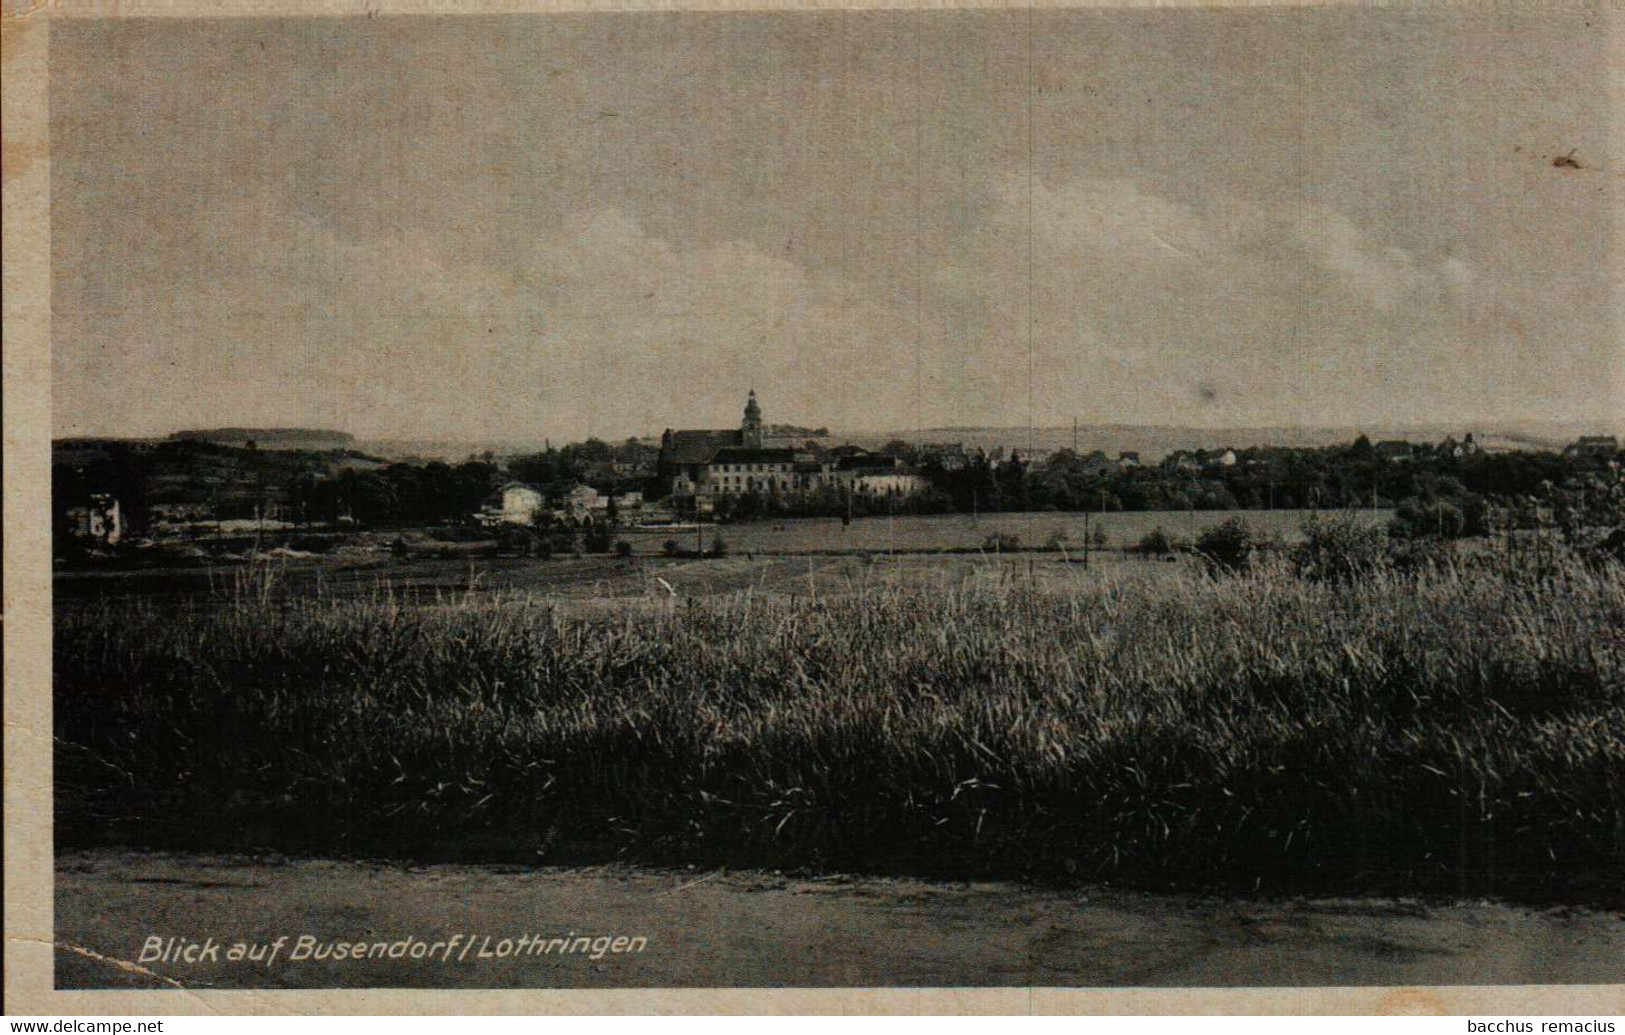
[[1431, 491]]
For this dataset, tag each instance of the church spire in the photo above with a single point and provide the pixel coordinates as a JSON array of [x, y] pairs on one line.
[[751, 426]]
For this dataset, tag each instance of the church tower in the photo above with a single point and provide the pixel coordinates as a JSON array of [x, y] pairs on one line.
[[750, 429]]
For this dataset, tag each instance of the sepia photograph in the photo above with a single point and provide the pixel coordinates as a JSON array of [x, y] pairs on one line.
[[836, 498]]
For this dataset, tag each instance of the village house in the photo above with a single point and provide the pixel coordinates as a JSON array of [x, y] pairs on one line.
[[100, 519], [950, 456], [168, 515], [513, 504], [1453, 450], [1395, 449], [877, 476], [1096, 462], [1181, 461], [899, 482], [517, 503], [1128, 458], [1604, 447], [583, 503]]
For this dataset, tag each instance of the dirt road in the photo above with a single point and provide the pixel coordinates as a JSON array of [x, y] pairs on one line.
[[754, 929]]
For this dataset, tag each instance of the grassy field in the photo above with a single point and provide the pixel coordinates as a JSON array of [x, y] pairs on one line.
[[1459, 731], [968, 532], [585, 580]]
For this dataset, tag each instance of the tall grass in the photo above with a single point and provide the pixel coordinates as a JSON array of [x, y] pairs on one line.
[[1459, 730]]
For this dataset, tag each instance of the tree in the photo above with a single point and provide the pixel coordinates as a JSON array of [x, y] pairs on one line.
[[597, 538], [537, 468]]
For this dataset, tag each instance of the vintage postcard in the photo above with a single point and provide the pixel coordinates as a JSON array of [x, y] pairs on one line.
[[815, 507]]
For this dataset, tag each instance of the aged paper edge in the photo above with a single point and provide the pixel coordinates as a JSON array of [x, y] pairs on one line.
[[24, 9], [29, 947]]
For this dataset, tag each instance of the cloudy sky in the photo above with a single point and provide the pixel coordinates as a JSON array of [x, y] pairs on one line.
[[510, 227]]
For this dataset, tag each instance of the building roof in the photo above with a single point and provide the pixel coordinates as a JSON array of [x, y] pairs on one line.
[[742, 455], [867, 462], [887, 472], [698, 447]]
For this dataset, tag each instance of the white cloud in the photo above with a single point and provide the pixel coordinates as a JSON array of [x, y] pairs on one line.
[[1217, 310], [595, 327]]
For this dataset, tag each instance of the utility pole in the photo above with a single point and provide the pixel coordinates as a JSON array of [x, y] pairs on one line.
[[1086, 540]]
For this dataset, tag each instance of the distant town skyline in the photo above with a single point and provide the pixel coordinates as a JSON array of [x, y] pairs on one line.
[[510, 228]]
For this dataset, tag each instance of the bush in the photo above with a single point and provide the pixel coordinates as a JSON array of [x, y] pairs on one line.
[[1229, 547], [1098, 538], [596, 539], [719, 547], [1339, 546], [671, 548], [1612, 546], [623, 549], [1001, 542], [1157, 542], [1414, 519], [1410, 556]]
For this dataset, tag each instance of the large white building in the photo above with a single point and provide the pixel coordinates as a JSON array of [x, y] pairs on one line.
[[514, 504], [899, 482], [706, 466], [767, 472]]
